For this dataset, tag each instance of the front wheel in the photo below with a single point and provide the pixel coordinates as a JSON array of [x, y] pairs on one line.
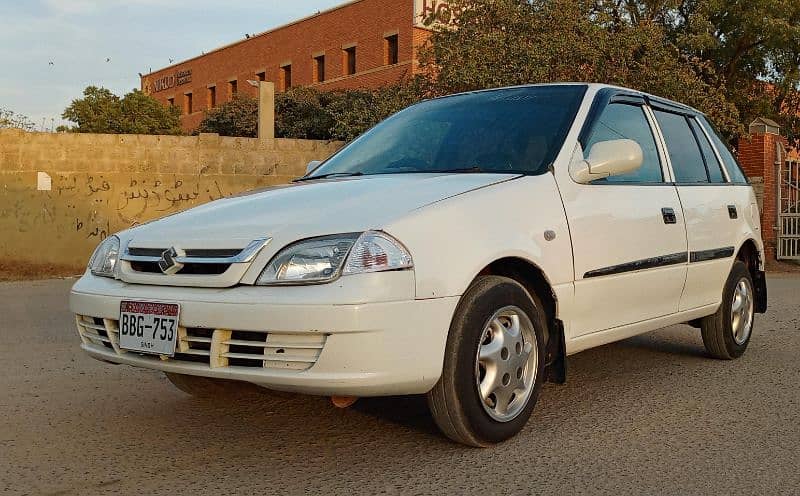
[[494, 363], [726, 334]]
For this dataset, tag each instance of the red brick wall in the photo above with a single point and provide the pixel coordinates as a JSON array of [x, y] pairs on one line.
[[363, 22], [758, 154]]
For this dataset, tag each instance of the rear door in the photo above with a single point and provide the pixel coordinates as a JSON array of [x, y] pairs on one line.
[[628, 234], [710, 205]]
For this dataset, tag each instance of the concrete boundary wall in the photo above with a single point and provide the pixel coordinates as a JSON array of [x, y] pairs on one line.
[[63, 193]]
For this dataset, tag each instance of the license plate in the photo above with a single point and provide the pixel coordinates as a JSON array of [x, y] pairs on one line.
[[148, 327]]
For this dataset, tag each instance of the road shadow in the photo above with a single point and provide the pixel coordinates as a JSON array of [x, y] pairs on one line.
[[662, 343], [407, 411]]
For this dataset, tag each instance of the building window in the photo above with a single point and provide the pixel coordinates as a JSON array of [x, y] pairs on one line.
[[262, 76], [319, 69], [233, 88], [349, 61], [286, 77], [171, 102], [212, 97], [392, 48], [188, 104]]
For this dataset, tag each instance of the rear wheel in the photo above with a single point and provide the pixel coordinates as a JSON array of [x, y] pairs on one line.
[[726, 334], [494, 363]]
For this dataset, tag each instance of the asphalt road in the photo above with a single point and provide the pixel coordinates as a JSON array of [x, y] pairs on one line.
[[647, 415]]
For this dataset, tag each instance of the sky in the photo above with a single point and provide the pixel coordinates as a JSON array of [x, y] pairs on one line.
[[108, 42]]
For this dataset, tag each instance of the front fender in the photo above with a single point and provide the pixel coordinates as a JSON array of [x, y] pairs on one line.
[[452, 240]]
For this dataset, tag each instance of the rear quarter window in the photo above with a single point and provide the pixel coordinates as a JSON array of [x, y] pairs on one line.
[[715, 174], [731, 164]]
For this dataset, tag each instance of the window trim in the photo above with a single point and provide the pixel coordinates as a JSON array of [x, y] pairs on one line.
[[347, 51], [188, 103], [285, 76], [388, 39], [316, 59], [211, 96], [661, 143]]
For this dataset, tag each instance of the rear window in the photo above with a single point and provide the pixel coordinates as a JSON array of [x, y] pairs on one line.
[[731, 164]]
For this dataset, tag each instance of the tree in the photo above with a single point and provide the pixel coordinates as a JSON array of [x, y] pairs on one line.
[[143, 114], [97, 112], [306, 113], [13, 120], [303, 113], [101, 111], [506, 42], [238, 117], [354, 112], [753, 47]]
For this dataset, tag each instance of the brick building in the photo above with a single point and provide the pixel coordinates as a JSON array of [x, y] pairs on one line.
[[360, 44]]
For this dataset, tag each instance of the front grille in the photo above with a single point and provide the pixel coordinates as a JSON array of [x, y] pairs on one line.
[[187, 269], [220, 348], [192, 261]]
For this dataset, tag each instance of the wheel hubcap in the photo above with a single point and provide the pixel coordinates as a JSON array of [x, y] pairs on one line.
[[506, 363], [742, 311]]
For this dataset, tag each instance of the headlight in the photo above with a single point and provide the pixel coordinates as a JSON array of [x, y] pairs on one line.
[[104, 259], [321, 260]]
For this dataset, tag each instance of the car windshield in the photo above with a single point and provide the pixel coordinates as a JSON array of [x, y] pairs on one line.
[[514, 130]]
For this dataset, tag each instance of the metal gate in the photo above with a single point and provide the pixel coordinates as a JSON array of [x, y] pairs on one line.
[[789, 211]]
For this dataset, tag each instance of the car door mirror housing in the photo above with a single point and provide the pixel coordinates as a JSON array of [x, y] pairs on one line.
[[606, 159], [312, 165]]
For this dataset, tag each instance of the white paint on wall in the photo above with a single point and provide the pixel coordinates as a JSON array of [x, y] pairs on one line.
[[43, 181]]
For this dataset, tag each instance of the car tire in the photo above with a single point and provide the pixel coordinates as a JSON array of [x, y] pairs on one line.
[[209, 388], [494, 363], [727, 332]]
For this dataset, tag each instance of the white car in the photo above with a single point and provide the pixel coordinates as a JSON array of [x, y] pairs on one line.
[[460, 249]]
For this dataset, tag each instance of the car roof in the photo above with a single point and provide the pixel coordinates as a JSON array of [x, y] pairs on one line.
[[592, 87]]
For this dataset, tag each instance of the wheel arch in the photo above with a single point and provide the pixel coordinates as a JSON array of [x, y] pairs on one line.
[[535, 281]]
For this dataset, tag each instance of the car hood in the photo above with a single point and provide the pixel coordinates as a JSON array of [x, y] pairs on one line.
[[302, 210]]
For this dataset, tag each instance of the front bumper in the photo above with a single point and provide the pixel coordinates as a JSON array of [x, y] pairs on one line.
[[385, 346]]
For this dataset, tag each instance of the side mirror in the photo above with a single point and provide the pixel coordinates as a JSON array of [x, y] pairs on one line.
[[606, 159], [312, 165]]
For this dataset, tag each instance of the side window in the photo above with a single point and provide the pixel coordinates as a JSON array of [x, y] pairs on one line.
[[684, 153], [713, 166], [623, 121], [734, 170]]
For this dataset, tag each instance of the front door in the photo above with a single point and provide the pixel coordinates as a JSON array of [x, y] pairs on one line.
[[628, 232]]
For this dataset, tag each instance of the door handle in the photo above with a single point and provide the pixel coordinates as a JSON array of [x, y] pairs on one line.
[[669, 216], [732, 212]]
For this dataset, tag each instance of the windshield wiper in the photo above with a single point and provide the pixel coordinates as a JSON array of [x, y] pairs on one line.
[[475, 169], [328, 176]]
